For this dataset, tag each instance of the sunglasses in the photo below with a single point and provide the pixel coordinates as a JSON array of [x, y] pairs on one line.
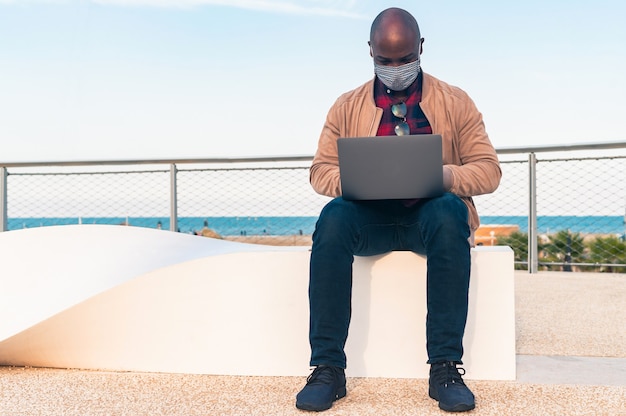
[[402, 128]]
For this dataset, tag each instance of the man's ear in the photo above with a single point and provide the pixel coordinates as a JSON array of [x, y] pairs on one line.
[[371, 51]]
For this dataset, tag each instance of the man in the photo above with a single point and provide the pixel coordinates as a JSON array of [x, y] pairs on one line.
[[440, 228]]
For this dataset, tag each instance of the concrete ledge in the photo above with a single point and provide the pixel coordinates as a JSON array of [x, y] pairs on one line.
[[164, 302], [388, 335]]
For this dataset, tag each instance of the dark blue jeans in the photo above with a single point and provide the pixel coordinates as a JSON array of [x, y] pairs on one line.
[[436, 228]]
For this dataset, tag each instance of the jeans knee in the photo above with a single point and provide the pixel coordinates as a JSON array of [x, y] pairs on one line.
[[334, 214], [445, 220], [448, 209], [334, 220]]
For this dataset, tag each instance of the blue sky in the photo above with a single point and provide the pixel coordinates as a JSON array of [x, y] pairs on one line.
[[134, 79]]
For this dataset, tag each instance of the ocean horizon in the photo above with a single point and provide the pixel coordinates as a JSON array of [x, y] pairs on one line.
[[304, 225]]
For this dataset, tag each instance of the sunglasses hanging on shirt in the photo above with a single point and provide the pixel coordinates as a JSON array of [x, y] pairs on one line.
[[399, 111]]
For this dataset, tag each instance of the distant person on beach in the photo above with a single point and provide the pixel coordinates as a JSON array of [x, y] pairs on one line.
[[440, 228], [207, 232]]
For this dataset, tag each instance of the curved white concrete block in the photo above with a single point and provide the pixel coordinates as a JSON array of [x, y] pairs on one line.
[[225, 314], [48, 269]]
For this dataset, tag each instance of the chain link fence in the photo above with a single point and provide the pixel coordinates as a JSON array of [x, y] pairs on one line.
[[579, 202]]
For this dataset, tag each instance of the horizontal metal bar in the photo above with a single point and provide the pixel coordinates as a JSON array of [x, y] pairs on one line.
[[582, 264], [303, 158], [268, 159], [525, 263], [562, 148]]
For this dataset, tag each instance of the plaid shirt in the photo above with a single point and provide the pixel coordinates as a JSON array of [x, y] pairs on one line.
[[414, 115]]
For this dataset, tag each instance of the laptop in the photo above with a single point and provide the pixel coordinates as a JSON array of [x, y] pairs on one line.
[[391, 167]]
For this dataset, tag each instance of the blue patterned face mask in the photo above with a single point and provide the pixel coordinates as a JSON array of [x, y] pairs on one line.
[[398, 78]]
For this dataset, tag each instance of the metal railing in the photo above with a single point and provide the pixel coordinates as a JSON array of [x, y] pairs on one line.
[[564, 211]]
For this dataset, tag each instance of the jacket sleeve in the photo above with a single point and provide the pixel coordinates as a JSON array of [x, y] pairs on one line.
[[477, 169], [324, 172]]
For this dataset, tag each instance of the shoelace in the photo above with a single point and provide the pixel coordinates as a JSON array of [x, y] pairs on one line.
[[449, 373], [322, 375]]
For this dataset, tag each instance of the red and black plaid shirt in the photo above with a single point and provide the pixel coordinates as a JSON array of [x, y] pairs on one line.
[[414, 115]]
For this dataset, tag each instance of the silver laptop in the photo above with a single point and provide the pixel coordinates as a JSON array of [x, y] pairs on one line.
[[391, 167]]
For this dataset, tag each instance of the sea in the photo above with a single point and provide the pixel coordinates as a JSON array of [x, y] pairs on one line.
[[291, 225]]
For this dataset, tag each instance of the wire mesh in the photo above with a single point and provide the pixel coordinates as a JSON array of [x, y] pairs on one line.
[[62, 196], [272, 205]]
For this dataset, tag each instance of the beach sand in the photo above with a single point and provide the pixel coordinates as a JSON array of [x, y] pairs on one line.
[[273, 240], [483, 235]]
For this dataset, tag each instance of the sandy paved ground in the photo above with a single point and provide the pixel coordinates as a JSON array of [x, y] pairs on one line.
[[76, 392]]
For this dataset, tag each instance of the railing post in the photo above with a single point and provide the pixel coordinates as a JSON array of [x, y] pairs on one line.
[[533, 254], [173, 199], [3, 200]]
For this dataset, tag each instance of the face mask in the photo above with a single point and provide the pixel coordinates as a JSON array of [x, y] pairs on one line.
[[398, 78]]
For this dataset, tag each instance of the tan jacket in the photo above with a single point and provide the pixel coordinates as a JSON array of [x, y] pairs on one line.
[[467, 150]]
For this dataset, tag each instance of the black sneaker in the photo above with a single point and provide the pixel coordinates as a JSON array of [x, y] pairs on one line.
[[447, 387], [325, 385]]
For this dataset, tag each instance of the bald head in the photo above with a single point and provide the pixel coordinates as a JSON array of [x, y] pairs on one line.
[[394, 22], [395, 38]]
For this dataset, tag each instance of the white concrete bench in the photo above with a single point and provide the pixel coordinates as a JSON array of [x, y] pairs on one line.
[[134, 299]]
